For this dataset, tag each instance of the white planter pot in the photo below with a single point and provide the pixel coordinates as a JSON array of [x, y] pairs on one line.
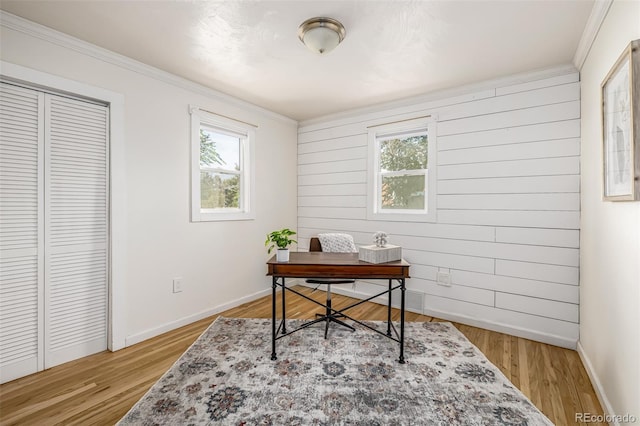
[[282, 255]]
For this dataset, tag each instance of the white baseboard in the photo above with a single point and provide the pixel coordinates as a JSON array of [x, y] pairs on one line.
[[156, 331], [489, 325], [597, 385], [550, 339]]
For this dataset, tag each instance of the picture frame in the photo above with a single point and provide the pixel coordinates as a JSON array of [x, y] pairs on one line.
[[621, 127]]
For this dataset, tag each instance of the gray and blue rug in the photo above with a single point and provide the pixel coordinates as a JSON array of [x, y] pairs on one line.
[[227, 377]]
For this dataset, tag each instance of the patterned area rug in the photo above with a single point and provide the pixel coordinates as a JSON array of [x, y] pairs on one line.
[[352, 378]]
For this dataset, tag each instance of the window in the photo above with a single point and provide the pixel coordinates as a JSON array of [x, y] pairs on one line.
[[402, 181], [221, 180]]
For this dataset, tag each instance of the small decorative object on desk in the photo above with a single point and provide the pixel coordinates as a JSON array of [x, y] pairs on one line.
[[281, 240], [381, 252], [380, 238]]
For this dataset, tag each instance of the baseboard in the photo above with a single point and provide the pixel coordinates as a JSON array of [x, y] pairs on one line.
[[597, 386], [489, 325], [156, 331], [550, 339]]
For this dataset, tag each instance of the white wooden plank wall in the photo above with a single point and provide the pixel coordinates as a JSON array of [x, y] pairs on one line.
[[508, 205]]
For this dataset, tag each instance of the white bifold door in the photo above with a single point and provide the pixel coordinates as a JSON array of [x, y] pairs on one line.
[[53, 229]]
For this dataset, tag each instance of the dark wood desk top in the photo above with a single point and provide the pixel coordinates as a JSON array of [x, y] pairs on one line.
[[335, 265]]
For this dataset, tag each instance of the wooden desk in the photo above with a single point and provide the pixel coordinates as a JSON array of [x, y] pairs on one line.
[[337, 265]]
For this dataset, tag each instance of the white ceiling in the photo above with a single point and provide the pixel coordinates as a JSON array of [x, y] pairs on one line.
[[393, 49]]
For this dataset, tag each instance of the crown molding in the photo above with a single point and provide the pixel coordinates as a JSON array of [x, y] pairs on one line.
[[33, 29], [596, 18]]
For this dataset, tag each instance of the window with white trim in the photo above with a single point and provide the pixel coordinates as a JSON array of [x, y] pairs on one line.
[[222, 163], [402, 180]]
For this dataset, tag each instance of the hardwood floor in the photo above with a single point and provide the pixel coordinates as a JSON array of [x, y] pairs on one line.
[[100, 389]]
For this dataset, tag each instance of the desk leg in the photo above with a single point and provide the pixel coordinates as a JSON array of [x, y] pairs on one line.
[[402, 289], [389, 310], [274, 282], [284, 304]]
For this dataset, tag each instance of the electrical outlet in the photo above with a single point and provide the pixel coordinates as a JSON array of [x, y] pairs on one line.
[[177, 285], [444, 278]]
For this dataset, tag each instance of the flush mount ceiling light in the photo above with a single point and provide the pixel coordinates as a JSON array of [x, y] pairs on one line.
[[321, 35]]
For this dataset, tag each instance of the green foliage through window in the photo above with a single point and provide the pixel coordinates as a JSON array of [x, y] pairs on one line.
[[403, 190], [208, 152], [219, 190], [219, 185], [403, 154]]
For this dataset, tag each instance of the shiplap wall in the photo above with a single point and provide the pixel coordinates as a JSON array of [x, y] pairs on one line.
[[508, 205]]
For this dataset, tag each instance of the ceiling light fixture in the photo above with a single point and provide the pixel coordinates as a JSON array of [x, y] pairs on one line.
[[321, 35]]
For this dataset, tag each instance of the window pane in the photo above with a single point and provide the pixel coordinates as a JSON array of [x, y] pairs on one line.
[[219, 190], [409, 153], [219, 150], [403, 192]]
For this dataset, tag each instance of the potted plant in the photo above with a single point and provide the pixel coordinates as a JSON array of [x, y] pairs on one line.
[[281, 240]]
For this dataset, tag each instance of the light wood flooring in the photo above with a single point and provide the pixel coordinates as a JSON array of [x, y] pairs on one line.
[[100, 389]]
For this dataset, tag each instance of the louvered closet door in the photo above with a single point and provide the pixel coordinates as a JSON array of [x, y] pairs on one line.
[[76, 221], [53, 230], [20, 232]]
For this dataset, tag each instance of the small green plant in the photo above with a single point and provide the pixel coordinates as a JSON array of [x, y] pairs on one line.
[[280, 239]]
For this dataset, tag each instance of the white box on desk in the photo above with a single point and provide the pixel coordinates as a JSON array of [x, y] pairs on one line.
[[375, 254]]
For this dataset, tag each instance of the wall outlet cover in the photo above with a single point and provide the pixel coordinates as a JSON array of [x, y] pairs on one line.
[[177, 285], [444, 278]]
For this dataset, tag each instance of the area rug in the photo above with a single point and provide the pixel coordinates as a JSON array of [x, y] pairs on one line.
[[352, 378]]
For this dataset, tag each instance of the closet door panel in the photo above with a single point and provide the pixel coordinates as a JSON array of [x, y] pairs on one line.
[[21, 225], [76, 269]]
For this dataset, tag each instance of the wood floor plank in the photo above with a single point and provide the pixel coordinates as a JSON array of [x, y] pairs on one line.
[[552, 386], [505, 365], [101, 388], [523, 368]]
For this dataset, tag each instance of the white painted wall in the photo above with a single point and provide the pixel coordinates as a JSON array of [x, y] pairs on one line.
[[508, 202], [610, 238], [221, 263]]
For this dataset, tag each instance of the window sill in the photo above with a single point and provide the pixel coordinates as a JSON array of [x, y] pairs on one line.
[[222, 217], [402, 217]]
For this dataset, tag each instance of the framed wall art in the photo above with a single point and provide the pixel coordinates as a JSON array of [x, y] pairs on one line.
[[621, 127]]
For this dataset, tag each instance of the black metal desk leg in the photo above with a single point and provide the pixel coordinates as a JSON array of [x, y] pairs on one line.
[[389, 311], [274, 282], [284, 304], [402, 289]]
